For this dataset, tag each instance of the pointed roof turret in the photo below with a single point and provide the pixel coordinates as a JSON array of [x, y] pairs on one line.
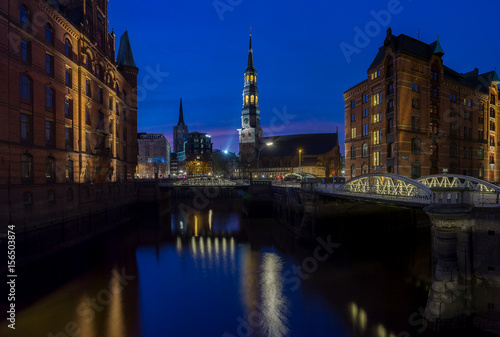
[[125, 57], [495, 79], [438, 50], [181, 115], [250, 56]]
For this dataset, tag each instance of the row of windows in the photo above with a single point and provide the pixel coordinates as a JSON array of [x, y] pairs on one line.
[[50, 169], [251, 79], [251, 99]]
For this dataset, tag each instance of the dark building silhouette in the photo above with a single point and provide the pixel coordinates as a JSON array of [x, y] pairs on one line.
[[180, 130]]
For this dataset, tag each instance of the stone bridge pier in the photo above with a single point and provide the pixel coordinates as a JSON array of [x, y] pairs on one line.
[[449, 305]]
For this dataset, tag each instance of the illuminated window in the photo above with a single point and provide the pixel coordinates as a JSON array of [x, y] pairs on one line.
[[256, 99], [248, 79], [246, 99], [376, 158], [376, 137], [255, 79], [353, 133], [251, 78], [252, 98]]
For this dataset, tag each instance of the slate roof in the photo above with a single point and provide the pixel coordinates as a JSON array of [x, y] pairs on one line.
[[125, 57], [311, 144], [409, 46]]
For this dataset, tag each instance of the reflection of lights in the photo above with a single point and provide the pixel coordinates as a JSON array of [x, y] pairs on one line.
[[274, 307], [116, 326], [202, 247], [231, 251], [358, 316], [85, 324], [224, 253], [181, 225], [216, 246], [381, 331], [195, 225], [193, 246], [210, 215], [179, 245], [209, 250]]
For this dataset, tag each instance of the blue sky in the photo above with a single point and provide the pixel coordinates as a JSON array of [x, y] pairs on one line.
[[198, 50]]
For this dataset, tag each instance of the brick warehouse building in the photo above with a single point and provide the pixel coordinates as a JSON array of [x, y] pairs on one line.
[[68, 109], [415, 117]]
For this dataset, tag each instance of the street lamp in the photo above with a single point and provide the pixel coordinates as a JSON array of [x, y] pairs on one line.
[[258, 156], [300, 160]]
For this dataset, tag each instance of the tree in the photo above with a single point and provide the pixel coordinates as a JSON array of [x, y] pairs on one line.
[[198, 168], [326, 162]]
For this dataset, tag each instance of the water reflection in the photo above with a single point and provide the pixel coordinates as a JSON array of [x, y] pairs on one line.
[[116, 326], [274, 303]]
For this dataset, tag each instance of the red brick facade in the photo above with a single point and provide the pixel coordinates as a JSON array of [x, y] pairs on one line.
[[67, 114], [415, 117]]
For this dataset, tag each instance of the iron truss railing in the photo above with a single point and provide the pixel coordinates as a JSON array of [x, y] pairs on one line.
[[458, 181], [205, 181], [387, 186]]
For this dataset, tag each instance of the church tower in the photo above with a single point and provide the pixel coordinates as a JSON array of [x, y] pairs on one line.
[[179, 131], [250, 132]]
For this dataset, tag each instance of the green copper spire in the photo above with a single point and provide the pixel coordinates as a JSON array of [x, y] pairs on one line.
[[438, 50]]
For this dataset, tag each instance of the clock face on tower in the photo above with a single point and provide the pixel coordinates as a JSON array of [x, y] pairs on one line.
[[245, 121]]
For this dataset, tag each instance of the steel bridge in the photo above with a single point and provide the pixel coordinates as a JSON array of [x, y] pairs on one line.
[[401, 190], [204, 182]]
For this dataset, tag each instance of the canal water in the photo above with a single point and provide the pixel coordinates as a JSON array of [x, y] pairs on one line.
[[205, 270]]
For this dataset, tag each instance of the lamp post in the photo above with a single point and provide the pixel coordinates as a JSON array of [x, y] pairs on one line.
[[258, 156], [300, 160]]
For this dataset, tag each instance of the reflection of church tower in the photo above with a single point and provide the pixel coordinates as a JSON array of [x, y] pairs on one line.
[[179, 131], [250, 132]]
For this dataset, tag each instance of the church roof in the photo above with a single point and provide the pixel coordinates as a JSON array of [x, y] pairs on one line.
[[125, 57], [310, 144]]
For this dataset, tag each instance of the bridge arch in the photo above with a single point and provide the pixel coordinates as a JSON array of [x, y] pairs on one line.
[[458, 181], [387, 185], [299, 176]]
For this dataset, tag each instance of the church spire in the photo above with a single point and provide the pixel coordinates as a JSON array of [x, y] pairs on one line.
[[250, 56], [181, 115]]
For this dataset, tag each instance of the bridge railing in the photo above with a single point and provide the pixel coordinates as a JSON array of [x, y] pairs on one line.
[[486, 199]]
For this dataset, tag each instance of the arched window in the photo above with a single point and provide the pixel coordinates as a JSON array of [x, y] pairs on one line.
[[252, 98], [353, 171], [50, 169], [27, 168], [25, 88], [69, 170], [364, 169], [246, 99], [255, 79], [24, 16], [247, 79], [353, 152], [481, 171], [256, 100], [415, 146], [492, 125], [435, 73], [68, 50], [364, 150], [415, 170], [492, 140], [49, 33], [49, 98], [251, 78]]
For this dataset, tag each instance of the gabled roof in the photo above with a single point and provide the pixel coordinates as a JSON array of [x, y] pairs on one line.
[[409, 46], [474, 80], [310, 144]]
